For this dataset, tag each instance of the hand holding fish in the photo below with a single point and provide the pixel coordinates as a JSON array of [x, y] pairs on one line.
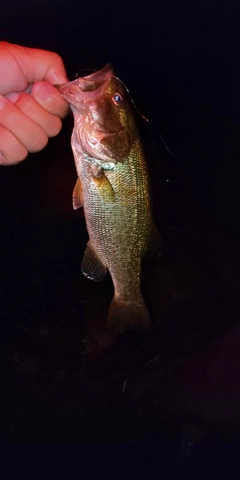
[[31, 108]]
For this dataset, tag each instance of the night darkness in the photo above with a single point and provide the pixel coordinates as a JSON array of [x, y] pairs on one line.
[[76, 402]]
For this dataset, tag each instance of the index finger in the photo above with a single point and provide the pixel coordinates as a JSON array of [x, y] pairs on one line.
[[21, 66]]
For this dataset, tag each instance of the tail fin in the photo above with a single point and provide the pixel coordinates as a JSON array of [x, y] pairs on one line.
[[128, 315]]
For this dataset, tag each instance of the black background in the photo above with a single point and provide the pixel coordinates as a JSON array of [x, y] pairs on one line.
[[165, 404]]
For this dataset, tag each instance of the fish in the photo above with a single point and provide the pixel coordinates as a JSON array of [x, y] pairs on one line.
[[114, 189]]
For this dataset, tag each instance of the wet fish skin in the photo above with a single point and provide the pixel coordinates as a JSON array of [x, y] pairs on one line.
[[113, 188]]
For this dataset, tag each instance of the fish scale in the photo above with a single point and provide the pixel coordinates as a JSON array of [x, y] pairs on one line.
[[124, 223]]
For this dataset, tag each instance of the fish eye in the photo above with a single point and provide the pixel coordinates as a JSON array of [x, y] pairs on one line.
[[117, 98]]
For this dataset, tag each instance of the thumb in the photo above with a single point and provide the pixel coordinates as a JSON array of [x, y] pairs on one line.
[[21, 66]]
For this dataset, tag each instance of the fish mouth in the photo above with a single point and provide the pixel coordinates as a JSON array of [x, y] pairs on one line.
[[72, 94], [80, 92], [88, 83]]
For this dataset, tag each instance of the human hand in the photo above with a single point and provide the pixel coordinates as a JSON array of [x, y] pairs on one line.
[[31, 108]]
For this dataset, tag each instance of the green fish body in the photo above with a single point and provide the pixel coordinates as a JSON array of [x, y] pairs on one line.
[[113, 187]]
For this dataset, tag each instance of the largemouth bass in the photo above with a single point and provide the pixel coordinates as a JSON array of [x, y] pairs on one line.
[[113, 188]]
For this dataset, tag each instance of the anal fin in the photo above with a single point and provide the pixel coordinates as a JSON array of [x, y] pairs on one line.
[[91, 265]]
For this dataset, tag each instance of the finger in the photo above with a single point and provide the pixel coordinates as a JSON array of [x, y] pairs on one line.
[[29, 134], [21, 66], [50, 99], [11, 150], [51, 124], [45, 65]]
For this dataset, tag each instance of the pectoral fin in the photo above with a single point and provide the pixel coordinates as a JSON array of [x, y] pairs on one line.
[[77, 196], [91, 266], [104, 187]]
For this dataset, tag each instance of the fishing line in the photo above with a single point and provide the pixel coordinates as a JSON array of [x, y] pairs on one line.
[[140, 113], [148, 121], [84, 70]]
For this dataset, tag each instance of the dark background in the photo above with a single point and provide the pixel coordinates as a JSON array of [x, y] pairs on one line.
[[163, 404]]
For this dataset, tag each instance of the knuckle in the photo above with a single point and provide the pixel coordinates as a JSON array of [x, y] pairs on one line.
[[54, 126], [57, 60], [12, 151], [3, 159], [13, 157], [23, 153], [38, 142]]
